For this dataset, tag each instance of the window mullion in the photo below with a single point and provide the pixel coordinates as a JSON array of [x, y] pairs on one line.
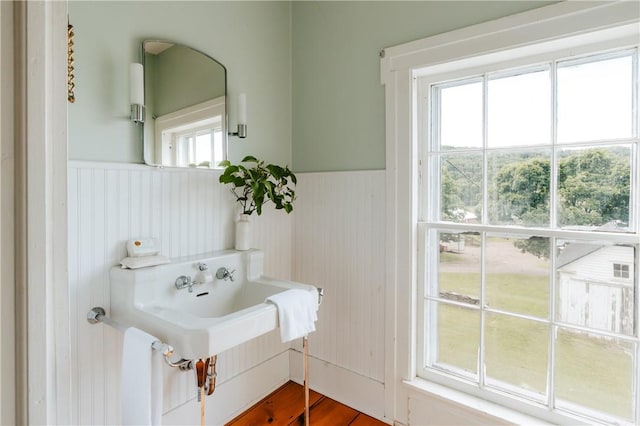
[[636, 382], [636, 359], [635, 108], [485, 220], [212, 143], [553, 329], [553, 210], [481, 346], [485, 135], [634, 202], [428, 128], [192, 148]]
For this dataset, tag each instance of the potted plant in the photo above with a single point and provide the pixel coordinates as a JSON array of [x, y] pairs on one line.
[[255, 185]]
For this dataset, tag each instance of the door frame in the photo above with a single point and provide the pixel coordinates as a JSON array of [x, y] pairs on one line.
[[43, 385]]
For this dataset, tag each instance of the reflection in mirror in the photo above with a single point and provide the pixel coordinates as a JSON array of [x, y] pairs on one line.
[[186, 115]]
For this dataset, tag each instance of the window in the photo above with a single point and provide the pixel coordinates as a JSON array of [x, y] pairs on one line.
[[529, 193], [620, 270], [193, 136], [199, 147]]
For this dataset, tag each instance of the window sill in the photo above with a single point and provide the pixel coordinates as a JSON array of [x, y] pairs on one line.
[[472, 402]]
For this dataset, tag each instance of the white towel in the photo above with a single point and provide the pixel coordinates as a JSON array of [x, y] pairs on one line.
[[296, 313], [141, 385]]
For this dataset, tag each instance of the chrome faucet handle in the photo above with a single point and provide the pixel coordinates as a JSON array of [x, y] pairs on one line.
[[184, 281], [202, 266], [224, 274]]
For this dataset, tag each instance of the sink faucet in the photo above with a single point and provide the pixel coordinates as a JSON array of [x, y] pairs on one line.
[[203, 275], [184, 281], [224, 274]]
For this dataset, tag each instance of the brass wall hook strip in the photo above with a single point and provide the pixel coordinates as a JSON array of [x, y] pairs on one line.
[[70, 84]]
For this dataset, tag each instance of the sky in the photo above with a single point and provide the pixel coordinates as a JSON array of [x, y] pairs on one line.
[[594, 102]]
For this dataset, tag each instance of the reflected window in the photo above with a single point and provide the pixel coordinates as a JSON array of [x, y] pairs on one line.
[[201, 148], [193, 137]]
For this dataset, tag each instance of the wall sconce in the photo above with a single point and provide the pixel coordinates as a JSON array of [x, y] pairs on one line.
[[242, 117], [136, 92]]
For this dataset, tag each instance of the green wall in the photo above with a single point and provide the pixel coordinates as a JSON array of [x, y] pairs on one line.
[[252, 40], [310, 69], [183, 78], [338, 101]]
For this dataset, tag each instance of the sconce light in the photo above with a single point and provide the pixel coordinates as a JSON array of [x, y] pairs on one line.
[[242, 117], [136, 92]]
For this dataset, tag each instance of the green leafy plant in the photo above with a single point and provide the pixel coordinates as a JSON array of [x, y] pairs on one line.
[[255, 185]]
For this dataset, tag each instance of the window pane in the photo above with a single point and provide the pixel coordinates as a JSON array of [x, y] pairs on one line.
[[593, 188], [461, 187], [519, 110], [218, 150], [588, 292], [458, 334], [184, 150], [517, 275], [516, 353], [519, 188], [203, 150], [459, 267], [595, 100], [460, 116], [594, 371]]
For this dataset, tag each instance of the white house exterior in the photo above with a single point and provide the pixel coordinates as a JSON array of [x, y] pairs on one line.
[[591, 273]]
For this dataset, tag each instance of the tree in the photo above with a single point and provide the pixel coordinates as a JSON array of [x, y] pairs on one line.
[[593, 189], [461, 179], [522, 193], [593, 186], [449, 195], [537, 246]]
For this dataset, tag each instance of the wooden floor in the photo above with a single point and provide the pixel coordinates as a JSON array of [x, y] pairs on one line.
[[285, 406]]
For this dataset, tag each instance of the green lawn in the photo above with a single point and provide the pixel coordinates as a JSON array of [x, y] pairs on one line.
[[589, 371], [523, 294]]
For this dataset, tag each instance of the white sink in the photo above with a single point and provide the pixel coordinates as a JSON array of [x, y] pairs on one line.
[[214, 317]]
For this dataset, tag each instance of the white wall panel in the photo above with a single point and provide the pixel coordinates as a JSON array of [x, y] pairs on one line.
[[190, 213], [336, 228], [339, 245]]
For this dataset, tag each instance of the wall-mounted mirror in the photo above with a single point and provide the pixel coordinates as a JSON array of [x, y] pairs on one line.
[[185, 106]]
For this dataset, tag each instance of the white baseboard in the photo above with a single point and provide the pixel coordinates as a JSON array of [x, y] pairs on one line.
[[235, 395], [354, 390]]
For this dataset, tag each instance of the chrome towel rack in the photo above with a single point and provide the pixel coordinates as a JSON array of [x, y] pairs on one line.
[[98, 315]]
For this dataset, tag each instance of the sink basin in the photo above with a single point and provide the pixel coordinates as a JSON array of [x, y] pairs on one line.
[[214, 317]]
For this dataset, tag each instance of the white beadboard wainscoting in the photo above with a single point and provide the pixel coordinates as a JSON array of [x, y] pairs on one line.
[[339, 244], [190, 213], [334, 239]]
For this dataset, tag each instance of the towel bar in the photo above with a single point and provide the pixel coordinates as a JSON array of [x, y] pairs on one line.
[[98, 314]]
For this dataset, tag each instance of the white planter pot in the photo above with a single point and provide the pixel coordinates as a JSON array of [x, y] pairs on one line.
[[244, 235]]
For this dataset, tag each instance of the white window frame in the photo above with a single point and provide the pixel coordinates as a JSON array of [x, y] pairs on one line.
[[177, 138], [428, 221], [168, 127], [566, 28]]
